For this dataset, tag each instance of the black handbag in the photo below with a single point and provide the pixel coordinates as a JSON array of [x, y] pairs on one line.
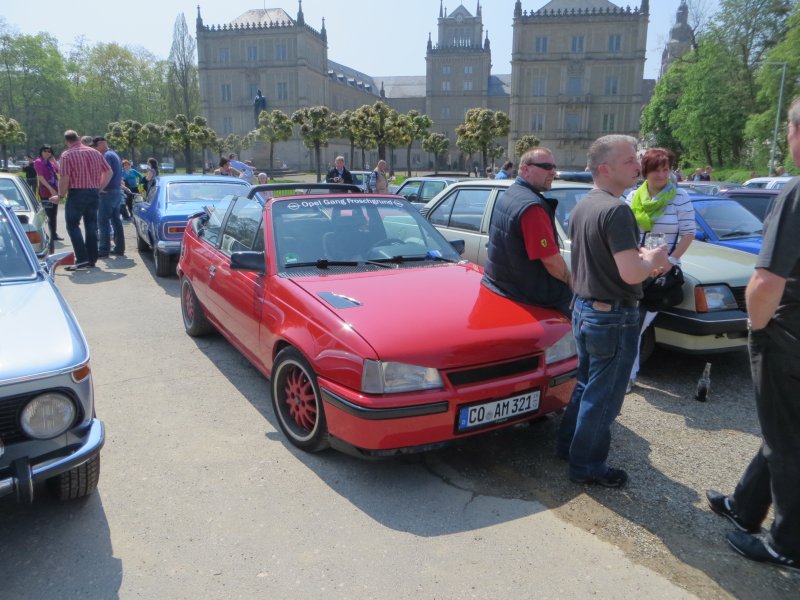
[[664, 291]]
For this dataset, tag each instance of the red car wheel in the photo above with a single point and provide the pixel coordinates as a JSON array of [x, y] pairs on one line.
[[297, 401], [194, 319]]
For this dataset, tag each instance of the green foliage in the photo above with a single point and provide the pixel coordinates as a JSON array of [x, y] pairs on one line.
[[480, 129], [128, 135], [437, 144], [273, 127], [317, 126], [10, 134], [525, 143]]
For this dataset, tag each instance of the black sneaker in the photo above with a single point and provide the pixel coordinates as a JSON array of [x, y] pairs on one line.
[[613, 478], [721, 504], [759, 550], [81, 266]]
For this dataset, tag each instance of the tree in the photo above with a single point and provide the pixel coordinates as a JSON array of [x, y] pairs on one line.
[[128, 135], [317, 125], [480, 129], [379, 116], [233, 143], [184, 87], [362, 130], [11, 134], [468, 147], [525, 143], [347, 130], [656, 122], [437, 144], [273, 127], [185, 133], [154, 136], [417, 129]]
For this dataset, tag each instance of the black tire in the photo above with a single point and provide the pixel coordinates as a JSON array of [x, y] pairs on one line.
[[78, 482], [194, 318], [141, 245], [647, 344], [297, 402], [162, 263]]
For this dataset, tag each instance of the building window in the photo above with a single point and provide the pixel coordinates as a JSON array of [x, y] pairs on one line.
[[468, 70], [539, 87], [572, 122], [445, 86], [281, 52], [577, 43], [227, 125], [612, 85], [541, 44], [252, 90], [445, 112], [609, 122], [467, 85], [252, 53], [282, 90], [226, 92], [537, 122], [224, 56], [614, 42], [574, 86], [445, 69]]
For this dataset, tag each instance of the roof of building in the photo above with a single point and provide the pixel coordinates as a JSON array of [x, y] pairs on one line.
[[403, 86], [265, 16], [349, 76], [576, 4], [500, 85]]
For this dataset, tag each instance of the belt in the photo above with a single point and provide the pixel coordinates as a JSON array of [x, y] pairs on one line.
[[609, 305]]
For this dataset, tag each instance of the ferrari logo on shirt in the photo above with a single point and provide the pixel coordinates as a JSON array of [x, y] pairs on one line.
[[544, 243]]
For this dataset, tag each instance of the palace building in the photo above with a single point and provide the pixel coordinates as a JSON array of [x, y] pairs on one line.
[[576, 74]]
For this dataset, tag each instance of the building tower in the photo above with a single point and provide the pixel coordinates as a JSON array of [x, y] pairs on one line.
[[681, 37]]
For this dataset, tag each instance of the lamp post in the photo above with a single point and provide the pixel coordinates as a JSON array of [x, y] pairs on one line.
[[777, 117]]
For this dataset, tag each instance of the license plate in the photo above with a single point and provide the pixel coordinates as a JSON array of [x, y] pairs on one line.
[[477, 415]]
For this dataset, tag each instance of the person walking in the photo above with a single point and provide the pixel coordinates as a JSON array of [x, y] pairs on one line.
[[150, 176], [505, 171], [226, 169], [660, 207], [47, 169], [109, 204], [378, 183], [523, 260], [773, 308], [339, 174], [608, 267], [84, 172]]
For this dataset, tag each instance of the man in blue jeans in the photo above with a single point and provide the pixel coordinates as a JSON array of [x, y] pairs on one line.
[[608, 267], [111, 197]]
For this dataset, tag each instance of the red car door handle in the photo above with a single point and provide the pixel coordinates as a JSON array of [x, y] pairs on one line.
[[212, 270]]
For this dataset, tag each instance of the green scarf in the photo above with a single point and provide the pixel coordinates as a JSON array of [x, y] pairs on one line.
[[647, 209]]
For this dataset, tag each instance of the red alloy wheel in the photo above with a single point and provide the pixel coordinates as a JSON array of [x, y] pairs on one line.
[[300, 398]]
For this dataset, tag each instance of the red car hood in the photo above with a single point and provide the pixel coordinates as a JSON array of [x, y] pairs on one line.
[[437, 316]]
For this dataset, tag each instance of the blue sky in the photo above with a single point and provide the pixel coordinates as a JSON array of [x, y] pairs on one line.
[[376, 38]]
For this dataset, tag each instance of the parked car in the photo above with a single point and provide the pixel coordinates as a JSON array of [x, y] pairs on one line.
[[48, 428], [768, 182], [361, 179], [419, 190], [16, 195], [727, 223], [167, 167], [9, 166], [315, 291], [580, 176], [756, 200], [712, 316], [162, 215], [708, 188]]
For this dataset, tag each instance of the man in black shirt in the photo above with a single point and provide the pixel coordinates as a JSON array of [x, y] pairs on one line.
[[607, 270], [339, 174], [773, 307]]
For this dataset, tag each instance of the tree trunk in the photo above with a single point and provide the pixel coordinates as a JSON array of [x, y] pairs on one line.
[[435, 164], [381, 151], [352, 151], [318, 156], [408, 159], [271, 157], [187, 153]]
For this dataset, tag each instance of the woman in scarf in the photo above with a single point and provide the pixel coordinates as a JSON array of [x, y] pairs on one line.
[[660, 206]]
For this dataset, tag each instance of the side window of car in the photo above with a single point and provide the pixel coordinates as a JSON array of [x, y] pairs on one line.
[[468, 209], [151, 193], [242, 225], [211, 228], [431, 188], [440, 215], [412, 189]]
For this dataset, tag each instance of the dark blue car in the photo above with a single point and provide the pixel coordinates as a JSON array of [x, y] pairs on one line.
[[161, 218], [727, 223]]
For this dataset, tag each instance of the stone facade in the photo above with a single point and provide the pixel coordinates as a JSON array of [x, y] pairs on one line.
[[577, 73]]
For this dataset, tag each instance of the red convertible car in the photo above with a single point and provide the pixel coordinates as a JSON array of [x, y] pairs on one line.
[[377, 337]]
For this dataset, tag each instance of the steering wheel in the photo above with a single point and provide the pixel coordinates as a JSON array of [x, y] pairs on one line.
[[387, 242]]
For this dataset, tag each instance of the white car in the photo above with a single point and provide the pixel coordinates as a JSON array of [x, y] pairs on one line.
[[770, 183]]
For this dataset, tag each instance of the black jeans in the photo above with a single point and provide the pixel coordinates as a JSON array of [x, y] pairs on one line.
[[773, 476]]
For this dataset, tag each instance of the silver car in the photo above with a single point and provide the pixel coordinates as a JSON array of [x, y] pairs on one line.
[[16, 195], [48, 428]]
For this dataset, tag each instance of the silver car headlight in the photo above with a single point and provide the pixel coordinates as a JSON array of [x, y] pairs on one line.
[[392, 377], [561, 350], [715, 297], [48, 415]]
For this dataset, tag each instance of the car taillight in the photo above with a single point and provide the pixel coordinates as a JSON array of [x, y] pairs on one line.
[[176, 229]]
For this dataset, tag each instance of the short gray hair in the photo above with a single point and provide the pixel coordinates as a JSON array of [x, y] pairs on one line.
[[794, 112], [601, 150], [341, 158]]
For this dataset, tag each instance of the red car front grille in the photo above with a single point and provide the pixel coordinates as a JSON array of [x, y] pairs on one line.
[[496, 371]]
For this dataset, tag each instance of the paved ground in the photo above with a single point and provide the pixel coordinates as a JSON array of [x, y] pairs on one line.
[[200, 496]]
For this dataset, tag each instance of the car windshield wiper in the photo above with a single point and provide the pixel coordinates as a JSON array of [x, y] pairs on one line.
[[322, 263], [735, 234], [416, 258]]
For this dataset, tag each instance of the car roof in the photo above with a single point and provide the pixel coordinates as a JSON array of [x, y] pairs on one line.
[[741, 191], [768, 179], [557, 183], [200, 178]]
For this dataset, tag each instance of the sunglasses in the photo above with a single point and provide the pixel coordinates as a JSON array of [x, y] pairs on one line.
[[545, 166]]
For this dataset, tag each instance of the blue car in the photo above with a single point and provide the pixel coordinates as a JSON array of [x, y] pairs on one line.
[[725, 222], [161, 218]]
